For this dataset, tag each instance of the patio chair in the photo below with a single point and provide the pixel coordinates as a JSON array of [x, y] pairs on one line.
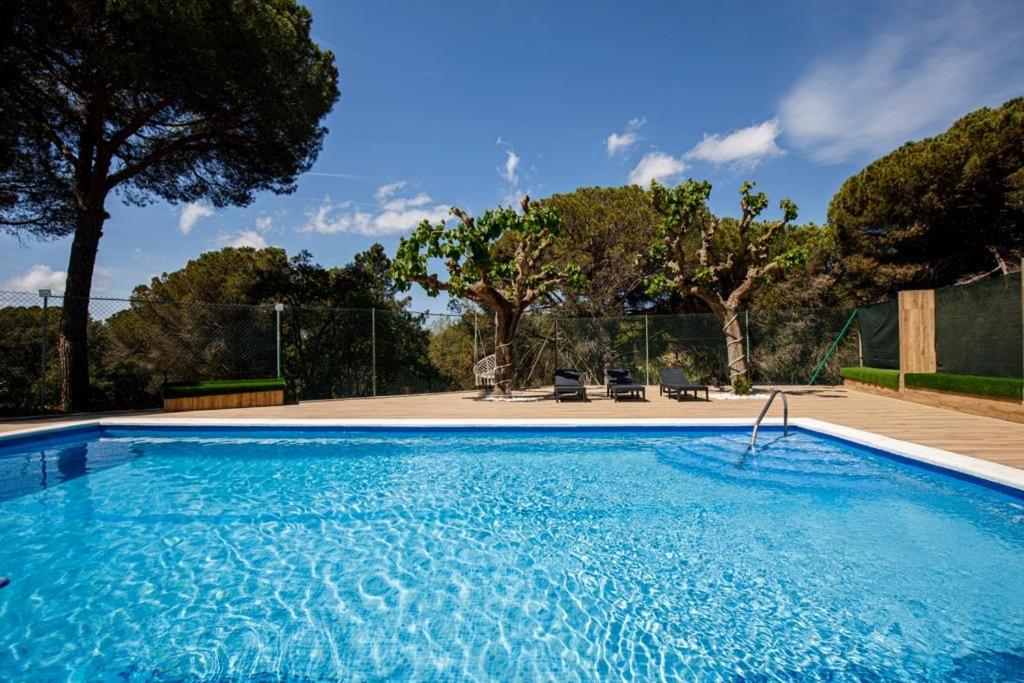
[[619, 382], [674, 382], [567, 383]]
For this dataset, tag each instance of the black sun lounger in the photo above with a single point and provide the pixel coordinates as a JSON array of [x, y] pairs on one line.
[[567, 383], [675, 383], [621, 383]]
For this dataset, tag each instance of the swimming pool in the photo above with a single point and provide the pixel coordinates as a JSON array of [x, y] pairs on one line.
[[147, 553]]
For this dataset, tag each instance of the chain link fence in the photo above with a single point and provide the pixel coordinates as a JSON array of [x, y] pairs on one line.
[[781, 347], [135, 345]]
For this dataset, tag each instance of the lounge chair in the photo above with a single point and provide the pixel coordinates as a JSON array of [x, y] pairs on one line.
[[567, 383], [620, 382], [674, 382]]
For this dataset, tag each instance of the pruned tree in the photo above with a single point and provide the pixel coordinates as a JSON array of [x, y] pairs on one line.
[[181, 101], [497, 261], [719, 261]]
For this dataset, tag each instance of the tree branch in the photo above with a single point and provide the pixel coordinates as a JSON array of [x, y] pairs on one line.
[[131, 170]]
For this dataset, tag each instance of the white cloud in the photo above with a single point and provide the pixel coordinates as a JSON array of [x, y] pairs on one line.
[[191, 213], [745, 146], [263, 223], [510, 171], [656, 166], [343, 176], [35, 278], [385, 191], [511, 167], [396, 215], [422, 199], [907, 83], [620, 142], [242, 238]]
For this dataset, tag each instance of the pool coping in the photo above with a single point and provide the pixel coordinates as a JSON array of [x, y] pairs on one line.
[[1002, 475]]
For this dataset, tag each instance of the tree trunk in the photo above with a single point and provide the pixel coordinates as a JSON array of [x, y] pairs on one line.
[[73, 342], [507, 322], [736, 349]]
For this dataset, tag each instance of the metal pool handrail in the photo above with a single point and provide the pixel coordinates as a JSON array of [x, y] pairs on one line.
[[764, 411]]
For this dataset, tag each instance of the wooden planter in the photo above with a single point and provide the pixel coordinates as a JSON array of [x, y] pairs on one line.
[[245, 399], [986, 406], [223, 394]]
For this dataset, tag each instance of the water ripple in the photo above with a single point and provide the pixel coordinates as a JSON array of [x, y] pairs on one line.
[[472, 556]]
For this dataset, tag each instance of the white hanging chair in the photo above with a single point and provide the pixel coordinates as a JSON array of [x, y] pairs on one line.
[[483, 371]]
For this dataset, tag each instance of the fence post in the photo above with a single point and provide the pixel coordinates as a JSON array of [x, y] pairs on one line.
[[373, 346], [647, 353], [45, 293], [747, 342], [557, 365], [277, 330], [860, 348]]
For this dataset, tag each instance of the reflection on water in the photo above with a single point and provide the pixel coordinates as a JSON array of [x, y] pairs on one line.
[[28, 472], [71, 461]]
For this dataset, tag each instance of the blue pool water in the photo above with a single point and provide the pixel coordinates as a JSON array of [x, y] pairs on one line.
[[646, 554]]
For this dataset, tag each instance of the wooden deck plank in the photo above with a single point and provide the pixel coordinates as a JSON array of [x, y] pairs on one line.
[[982, 437]]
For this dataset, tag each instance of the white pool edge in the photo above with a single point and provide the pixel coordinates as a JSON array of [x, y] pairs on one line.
[[1004, 475]]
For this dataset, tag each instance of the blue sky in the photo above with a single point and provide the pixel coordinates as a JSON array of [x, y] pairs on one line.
[[475, 103]]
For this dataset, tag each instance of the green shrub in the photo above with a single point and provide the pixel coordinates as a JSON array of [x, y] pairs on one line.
[[890, 379], [217, 387], [999, 387], [742, 385]]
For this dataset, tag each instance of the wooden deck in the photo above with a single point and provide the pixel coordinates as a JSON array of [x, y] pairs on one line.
[[982, 437]]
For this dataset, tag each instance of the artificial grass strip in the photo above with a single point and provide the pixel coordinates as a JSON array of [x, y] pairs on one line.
[[218, 387], [998, 387], [890, 379]]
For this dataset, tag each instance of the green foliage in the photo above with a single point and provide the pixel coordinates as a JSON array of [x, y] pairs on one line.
[[219, 387], [742, 385], [934, 211], [606, 231], [326, 351], [997, 387], [807, 281], [22, 389], [718, 259], [498, 254], [878, 376], [320, 343], [499, 261], [173, 100], [180, 101]]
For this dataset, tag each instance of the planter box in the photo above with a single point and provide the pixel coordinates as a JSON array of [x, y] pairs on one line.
[[243, 399], [223, 394], [871, 388], [986, 406]]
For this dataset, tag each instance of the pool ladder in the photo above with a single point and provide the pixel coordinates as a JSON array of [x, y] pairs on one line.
[[764, 411]]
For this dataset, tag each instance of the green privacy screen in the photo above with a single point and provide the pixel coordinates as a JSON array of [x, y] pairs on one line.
[[978, 328], [880, 335]]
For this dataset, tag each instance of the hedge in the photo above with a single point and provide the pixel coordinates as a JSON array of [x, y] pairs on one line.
[[999, 387], [889, 379], [217, 387]]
